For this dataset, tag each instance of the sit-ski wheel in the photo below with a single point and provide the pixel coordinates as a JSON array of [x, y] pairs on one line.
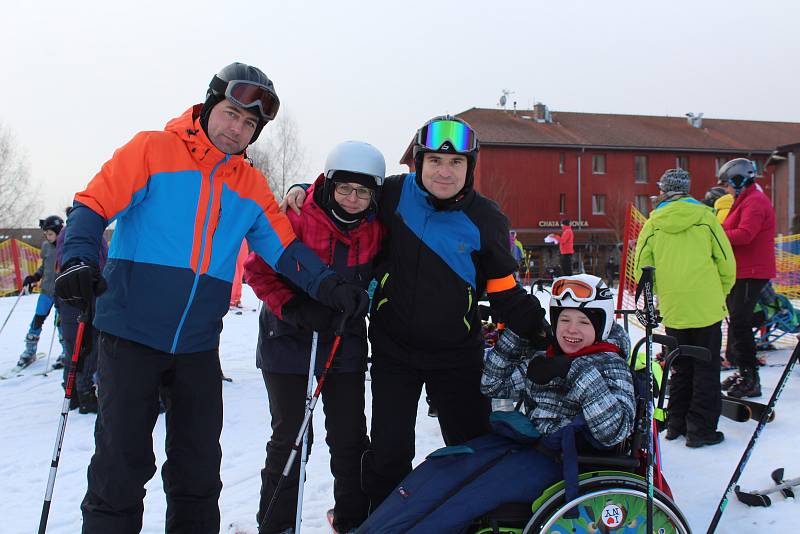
[[608, 505]]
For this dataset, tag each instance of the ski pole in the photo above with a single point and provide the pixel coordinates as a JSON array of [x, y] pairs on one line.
[[304, 453], [52, 339], [649, 319], [62, 425], [21, 292], [723, 503], [310, 404]]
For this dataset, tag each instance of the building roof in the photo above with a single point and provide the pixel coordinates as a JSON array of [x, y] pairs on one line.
[[632, 132]]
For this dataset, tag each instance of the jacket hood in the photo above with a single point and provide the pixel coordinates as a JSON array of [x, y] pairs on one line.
[[678, 215]]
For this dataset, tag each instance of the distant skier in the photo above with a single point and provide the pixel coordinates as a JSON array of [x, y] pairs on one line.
[[750, 227], [684, 241], [566, 246], [46, 276]]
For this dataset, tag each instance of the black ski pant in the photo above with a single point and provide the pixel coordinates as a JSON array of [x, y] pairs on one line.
[[84, 379], [129, 376], [566, 265], [463, 414], [346, 435], [741, 301], [695, 399]]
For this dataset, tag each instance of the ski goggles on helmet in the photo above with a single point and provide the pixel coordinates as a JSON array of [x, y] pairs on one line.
[[579, 290], [435, 134], [248, 94]]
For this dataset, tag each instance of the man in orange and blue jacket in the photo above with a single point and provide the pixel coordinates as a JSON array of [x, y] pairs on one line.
[[183, 199]]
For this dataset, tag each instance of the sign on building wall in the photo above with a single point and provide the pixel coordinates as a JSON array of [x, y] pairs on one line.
[[557, 224]]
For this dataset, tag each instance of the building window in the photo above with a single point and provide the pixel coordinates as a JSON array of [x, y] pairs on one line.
[[562, 203], [562, 163], [682, 162], [642, 203], [598, 204], [640, 169], [758, 164], [599, 164]]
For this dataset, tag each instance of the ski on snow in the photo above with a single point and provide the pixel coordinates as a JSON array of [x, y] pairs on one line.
[[742, 410], [761, 497], [14, 371]]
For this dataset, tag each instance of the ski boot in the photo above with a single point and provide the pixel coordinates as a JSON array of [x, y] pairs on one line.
[[726, 384], [748, 385], [25, 359], [60, 361], [696, 441]]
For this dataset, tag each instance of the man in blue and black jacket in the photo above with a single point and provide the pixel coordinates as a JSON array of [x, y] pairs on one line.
[[447, 245]]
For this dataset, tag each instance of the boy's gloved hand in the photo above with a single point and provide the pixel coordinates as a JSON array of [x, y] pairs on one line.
[[532, 327], [543, 369], [308, 314]]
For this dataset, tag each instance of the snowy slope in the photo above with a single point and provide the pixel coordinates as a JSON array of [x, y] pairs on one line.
[[30, 407]]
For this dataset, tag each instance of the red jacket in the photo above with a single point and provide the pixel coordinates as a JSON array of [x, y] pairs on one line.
[[750, 227], [565, 241]]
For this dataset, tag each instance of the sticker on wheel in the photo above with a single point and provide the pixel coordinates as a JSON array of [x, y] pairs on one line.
[[612, 515]]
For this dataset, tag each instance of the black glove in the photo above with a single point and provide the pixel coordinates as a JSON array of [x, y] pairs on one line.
[[79, 284], [543, 369], [308, 314], [31, 279], [349, 299], [532, 327]]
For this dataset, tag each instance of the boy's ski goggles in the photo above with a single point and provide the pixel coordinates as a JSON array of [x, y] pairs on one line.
[[247, 94], [579, 290], [433, 135]]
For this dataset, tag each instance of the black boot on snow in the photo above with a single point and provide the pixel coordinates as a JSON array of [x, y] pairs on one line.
[[695, 441], [726, 384], [748, 385], [88, 402], [74, 401]]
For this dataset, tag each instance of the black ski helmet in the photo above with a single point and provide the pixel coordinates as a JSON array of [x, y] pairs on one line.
[[53, 222], [739, 172], [447, 147], [265, 108]]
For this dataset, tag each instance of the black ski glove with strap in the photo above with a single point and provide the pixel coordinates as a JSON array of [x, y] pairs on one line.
[[79, 283], [349, 299]]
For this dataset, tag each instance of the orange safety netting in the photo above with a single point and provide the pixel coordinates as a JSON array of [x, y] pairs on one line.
[[634, 221], [787, 261], [17, 260]]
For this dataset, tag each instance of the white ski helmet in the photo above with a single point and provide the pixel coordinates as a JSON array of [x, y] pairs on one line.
[[358, 157], [588, 294]]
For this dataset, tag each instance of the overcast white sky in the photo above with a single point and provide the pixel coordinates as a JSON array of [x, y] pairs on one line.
[[80, 78]]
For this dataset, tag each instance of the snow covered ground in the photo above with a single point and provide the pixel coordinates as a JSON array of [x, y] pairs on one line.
[[30, 407]]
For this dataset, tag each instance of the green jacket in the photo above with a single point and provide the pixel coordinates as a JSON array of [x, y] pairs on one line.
[[695, 267]]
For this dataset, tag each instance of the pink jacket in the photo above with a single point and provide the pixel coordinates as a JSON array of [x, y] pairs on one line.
[[750, 227]]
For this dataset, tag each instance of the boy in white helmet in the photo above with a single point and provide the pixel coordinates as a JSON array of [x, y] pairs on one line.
[[583, 373], [338, 223]]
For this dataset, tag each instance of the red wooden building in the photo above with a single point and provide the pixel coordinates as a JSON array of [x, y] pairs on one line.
[[544, 166]]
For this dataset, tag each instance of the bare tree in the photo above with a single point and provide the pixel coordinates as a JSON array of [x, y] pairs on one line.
[[261, 158], [280, 156], [18, 194], [617, 211]]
